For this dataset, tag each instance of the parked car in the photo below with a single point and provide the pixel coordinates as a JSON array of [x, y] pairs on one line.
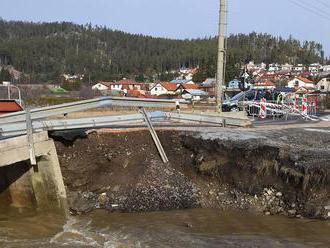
[[235, 103]]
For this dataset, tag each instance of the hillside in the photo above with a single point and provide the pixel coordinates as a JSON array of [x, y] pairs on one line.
[[45, 50]]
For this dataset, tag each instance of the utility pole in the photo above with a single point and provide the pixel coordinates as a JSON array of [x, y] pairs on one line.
[[221, 55]]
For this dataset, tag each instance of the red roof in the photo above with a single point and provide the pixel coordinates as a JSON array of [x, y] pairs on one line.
[[305, 80], [169, 86], [136, 93], [108, 84], [128, 82], [9, 106], [190, 86]]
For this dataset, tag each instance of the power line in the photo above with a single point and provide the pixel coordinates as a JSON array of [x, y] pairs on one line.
[[324, 4], [319, 9], [309, 9]]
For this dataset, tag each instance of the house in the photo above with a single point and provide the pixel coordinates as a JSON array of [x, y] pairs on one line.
[[287, 67], [194, 94], [182, 81], [314, 68], [118, 86], [274, 67], [299, 68], [298, 82], [101, 86], [326, 68], [128, 85], [324, 85], [264, 85], [9, 106], [183, 87], [164, 88]]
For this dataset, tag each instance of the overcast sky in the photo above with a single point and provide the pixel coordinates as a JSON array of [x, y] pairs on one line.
[[183, 18]]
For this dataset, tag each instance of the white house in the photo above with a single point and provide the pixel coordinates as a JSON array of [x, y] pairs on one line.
[[314, 68], [287, 67], [194, 94], [274, 67], [264, 85], [101, 86], [298, 68], [299, 82], [118, 86], [164, 88], [326, 68], [324, 85]]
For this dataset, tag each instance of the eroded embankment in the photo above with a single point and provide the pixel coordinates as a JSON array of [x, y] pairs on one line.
[[283, 172]]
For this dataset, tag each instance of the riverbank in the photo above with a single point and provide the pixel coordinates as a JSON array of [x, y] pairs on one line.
[[285, 172]]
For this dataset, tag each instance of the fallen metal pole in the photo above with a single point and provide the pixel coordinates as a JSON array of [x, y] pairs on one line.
[[155, 136]]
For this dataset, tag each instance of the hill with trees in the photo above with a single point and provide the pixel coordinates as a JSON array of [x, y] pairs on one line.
[[43, 51]]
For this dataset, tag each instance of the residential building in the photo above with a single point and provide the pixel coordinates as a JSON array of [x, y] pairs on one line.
[[101, 86], [324, 85], [299, 68], [314, 68], [118, 86], [326, 68], [182, 81], [299, 82], [9, 106], [264, 85], [183, 87], [274, 67], [164, 88], [287, 67], [194, 94]]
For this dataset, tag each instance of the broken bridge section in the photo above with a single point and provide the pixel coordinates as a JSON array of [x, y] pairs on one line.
[[31, 186]]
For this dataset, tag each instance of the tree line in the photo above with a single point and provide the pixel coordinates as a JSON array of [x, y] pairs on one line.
[[43, 51]]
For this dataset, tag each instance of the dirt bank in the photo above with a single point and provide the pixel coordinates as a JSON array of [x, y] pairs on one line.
[[280, 172]]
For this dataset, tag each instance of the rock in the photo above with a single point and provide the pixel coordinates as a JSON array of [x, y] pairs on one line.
[[329, 214], [327, 207], [189, 225], [208, 166], [279, 194], [103, 199], [267, 213], [292, 212]]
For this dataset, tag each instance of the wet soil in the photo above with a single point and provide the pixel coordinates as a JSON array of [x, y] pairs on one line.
[[280, 172]]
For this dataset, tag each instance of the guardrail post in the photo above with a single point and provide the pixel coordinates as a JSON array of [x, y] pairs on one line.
[[29, 135]]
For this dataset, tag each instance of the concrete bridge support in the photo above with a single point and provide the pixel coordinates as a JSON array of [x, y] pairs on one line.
[[40, 186]]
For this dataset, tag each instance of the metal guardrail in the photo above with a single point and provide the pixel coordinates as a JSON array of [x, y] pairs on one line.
[[19, 128], [61, 109], [209, 119]]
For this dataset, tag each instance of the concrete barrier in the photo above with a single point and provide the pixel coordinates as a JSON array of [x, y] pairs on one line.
[[39, 186]]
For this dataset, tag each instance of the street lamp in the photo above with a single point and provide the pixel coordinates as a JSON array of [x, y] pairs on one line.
[[9, 85]]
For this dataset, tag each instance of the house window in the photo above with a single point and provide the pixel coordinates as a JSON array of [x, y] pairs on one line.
[[328, 80], [296, 83], [322, 87], [156, 89]]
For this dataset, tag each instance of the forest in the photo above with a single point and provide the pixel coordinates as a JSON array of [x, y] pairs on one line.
[[43, 51]]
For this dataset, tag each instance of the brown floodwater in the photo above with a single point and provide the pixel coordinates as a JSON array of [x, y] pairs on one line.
[[185, 228]]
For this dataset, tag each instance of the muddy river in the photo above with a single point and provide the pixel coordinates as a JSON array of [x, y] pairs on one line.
[[187, 228]]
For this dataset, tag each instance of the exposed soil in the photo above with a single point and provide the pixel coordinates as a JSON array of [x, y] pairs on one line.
[[280, 172]]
